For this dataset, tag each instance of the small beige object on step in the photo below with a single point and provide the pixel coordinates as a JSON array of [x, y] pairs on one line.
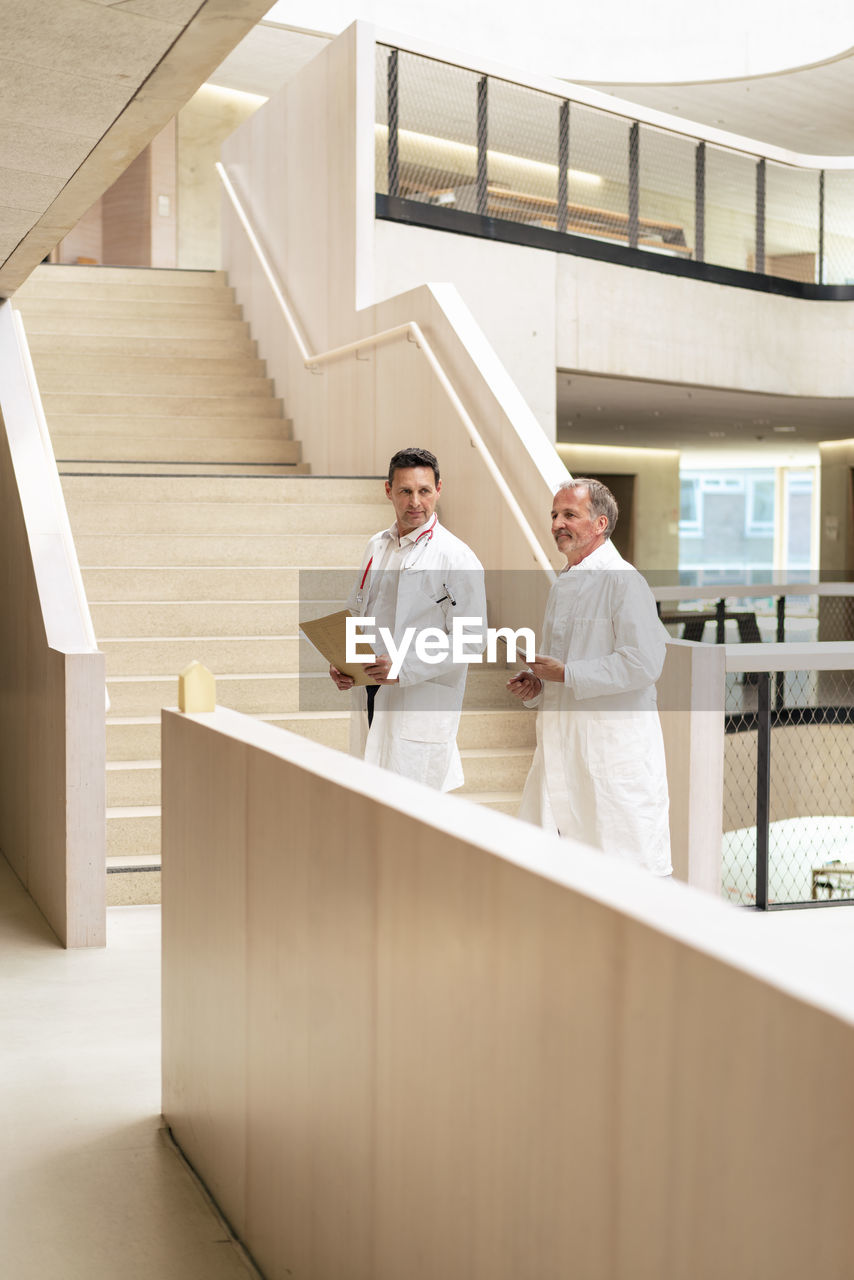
[[196, 689]]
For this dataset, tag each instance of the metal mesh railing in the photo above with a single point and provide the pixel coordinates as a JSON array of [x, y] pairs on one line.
[[789, 788], [477, 144]]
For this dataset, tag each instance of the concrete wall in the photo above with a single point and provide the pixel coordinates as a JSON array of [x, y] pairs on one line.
[[52, 752], [400, 1040]]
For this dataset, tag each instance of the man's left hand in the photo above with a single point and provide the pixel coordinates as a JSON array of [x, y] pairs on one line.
[[380, 669], [548, 669]]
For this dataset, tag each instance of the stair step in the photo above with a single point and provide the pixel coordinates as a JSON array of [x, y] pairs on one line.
[[176, 467], [65, 428], [80, 273], [138, 737], [45, 345], [501, 801], [205, 617], [270, 550], [495, 769], [101, 309], [145, 385], [132, 783], [132, 887], [94, 368], [138, 292], [223, 655], [260, 488], [224, 451], [133, 830], [181, 583], [194, 328], [146, 406], [224, 518]]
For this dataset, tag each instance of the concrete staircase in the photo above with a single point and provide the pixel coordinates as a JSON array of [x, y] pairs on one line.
[[201, 534]]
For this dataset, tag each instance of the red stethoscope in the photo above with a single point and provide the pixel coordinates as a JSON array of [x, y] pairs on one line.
[[425, 533]]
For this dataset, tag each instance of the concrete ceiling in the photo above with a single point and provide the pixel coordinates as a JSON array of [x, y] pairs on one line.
[[84, 87], [632, 413], [267, 58], [810, 111]]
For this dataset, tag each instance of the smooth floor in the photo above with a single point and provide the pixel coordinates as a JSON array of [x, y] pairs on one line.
[[91, 1187]]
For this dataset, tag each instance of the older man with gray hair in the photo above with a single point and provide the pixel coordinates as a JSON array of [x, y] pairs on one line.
[[599, 773]]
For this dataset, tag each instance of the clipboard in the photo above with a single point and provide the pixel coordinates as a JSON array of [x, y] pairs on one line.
[[328, 636]]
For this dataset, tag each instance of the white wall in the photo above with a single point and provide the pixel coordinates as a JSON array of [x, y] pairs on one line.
[[509, 289]]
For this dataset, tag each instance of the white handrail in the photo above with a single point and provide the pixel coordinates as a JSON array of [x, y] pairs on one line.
[[412, 333], [52, 475], [751, 591]]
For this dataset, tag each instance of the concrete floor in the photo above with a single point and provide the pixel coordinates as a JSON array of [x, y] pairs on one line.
[[91, 1187]]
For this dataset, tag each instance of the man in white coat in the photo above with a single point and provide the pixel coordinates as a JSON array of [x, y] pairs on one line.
[[598, 775], [415, 574]]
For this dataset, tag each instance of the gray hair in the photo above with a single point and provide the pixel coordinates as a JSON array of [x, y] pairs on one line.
[[601, 499]]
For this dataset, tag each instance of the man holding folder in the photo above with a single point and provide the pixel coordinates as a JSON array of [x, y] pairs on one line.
[[415, 574]]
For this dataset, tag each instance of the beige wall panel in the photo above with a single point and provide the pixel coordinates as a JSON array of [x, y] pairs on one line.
[[691, 696], [164, 183], [203, 124], [205, 1023], [126, 216], [836, 536], [52, 750], [468, 1060], [86, 240]]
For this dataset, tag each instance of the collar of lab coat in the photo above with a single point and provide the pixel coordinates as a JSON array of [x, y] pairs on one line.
[[412, 536], [605, 557]]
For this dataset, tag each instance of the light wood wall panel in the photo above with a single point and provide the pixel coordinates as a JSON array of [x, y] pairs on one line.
[[52, 753], [406, 1037], [126, 213]]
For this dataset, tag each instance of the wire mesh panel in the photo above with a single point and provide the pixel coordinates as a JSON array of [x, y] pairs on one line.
[[523, 173], [838, 227], [730, 203], [791, 222], [811, 796], [433, 147], [667, 183], [598, 174]]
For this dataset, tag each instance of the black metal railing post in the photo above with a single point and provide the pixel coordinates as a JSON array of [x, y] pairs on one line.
[[720, 622], [393, 125], [562, 166], [763, 787], [482, 193], [759, 263], [634, 184], [821, 227], [700, 202], [780, 676]]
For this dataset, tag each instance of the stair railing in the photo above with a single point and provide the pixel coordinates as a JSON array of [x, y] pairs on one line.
[[411, 332]]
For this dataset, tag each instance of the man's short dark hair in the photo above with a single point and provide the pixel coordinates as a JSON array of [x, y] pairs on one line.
[[413, 458], [601, 499]]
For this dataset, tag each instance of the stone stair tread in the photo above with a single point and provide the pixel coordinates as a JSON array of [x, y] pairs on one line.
[[133, 811]]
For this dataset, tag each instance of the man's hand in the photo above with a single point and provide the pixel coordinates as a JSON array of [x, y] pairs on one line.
[[524, 685], [548, 669], [342, 682], [380, 669]]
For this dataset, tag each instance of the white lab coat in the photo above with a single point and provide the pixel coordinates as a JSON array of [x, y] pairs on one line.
[[414, 729], [599, 773]]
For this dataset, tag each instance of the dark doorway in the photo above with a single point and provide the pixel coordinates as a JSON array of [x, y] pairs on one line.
[[623, 489]]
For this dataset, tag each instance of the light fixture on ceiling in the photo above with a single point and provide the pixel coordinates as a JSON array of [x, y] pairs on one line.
[[717, 435], [785, 430]]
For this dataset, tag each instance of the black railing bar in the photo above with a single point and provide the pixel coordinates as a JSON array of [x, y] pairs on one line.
[[763, 789]]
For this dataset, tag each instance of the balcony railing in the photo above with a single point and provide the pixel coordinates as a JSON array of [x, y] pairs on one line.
[[481, 155]]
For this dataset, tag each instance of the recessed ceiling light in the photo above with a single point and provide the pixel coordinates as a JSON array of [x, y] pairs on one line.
[[717, 435], [781, 430]]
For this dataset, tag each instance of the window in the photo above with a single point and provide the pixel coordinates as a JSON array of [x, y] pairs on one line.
[[759, 509]]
